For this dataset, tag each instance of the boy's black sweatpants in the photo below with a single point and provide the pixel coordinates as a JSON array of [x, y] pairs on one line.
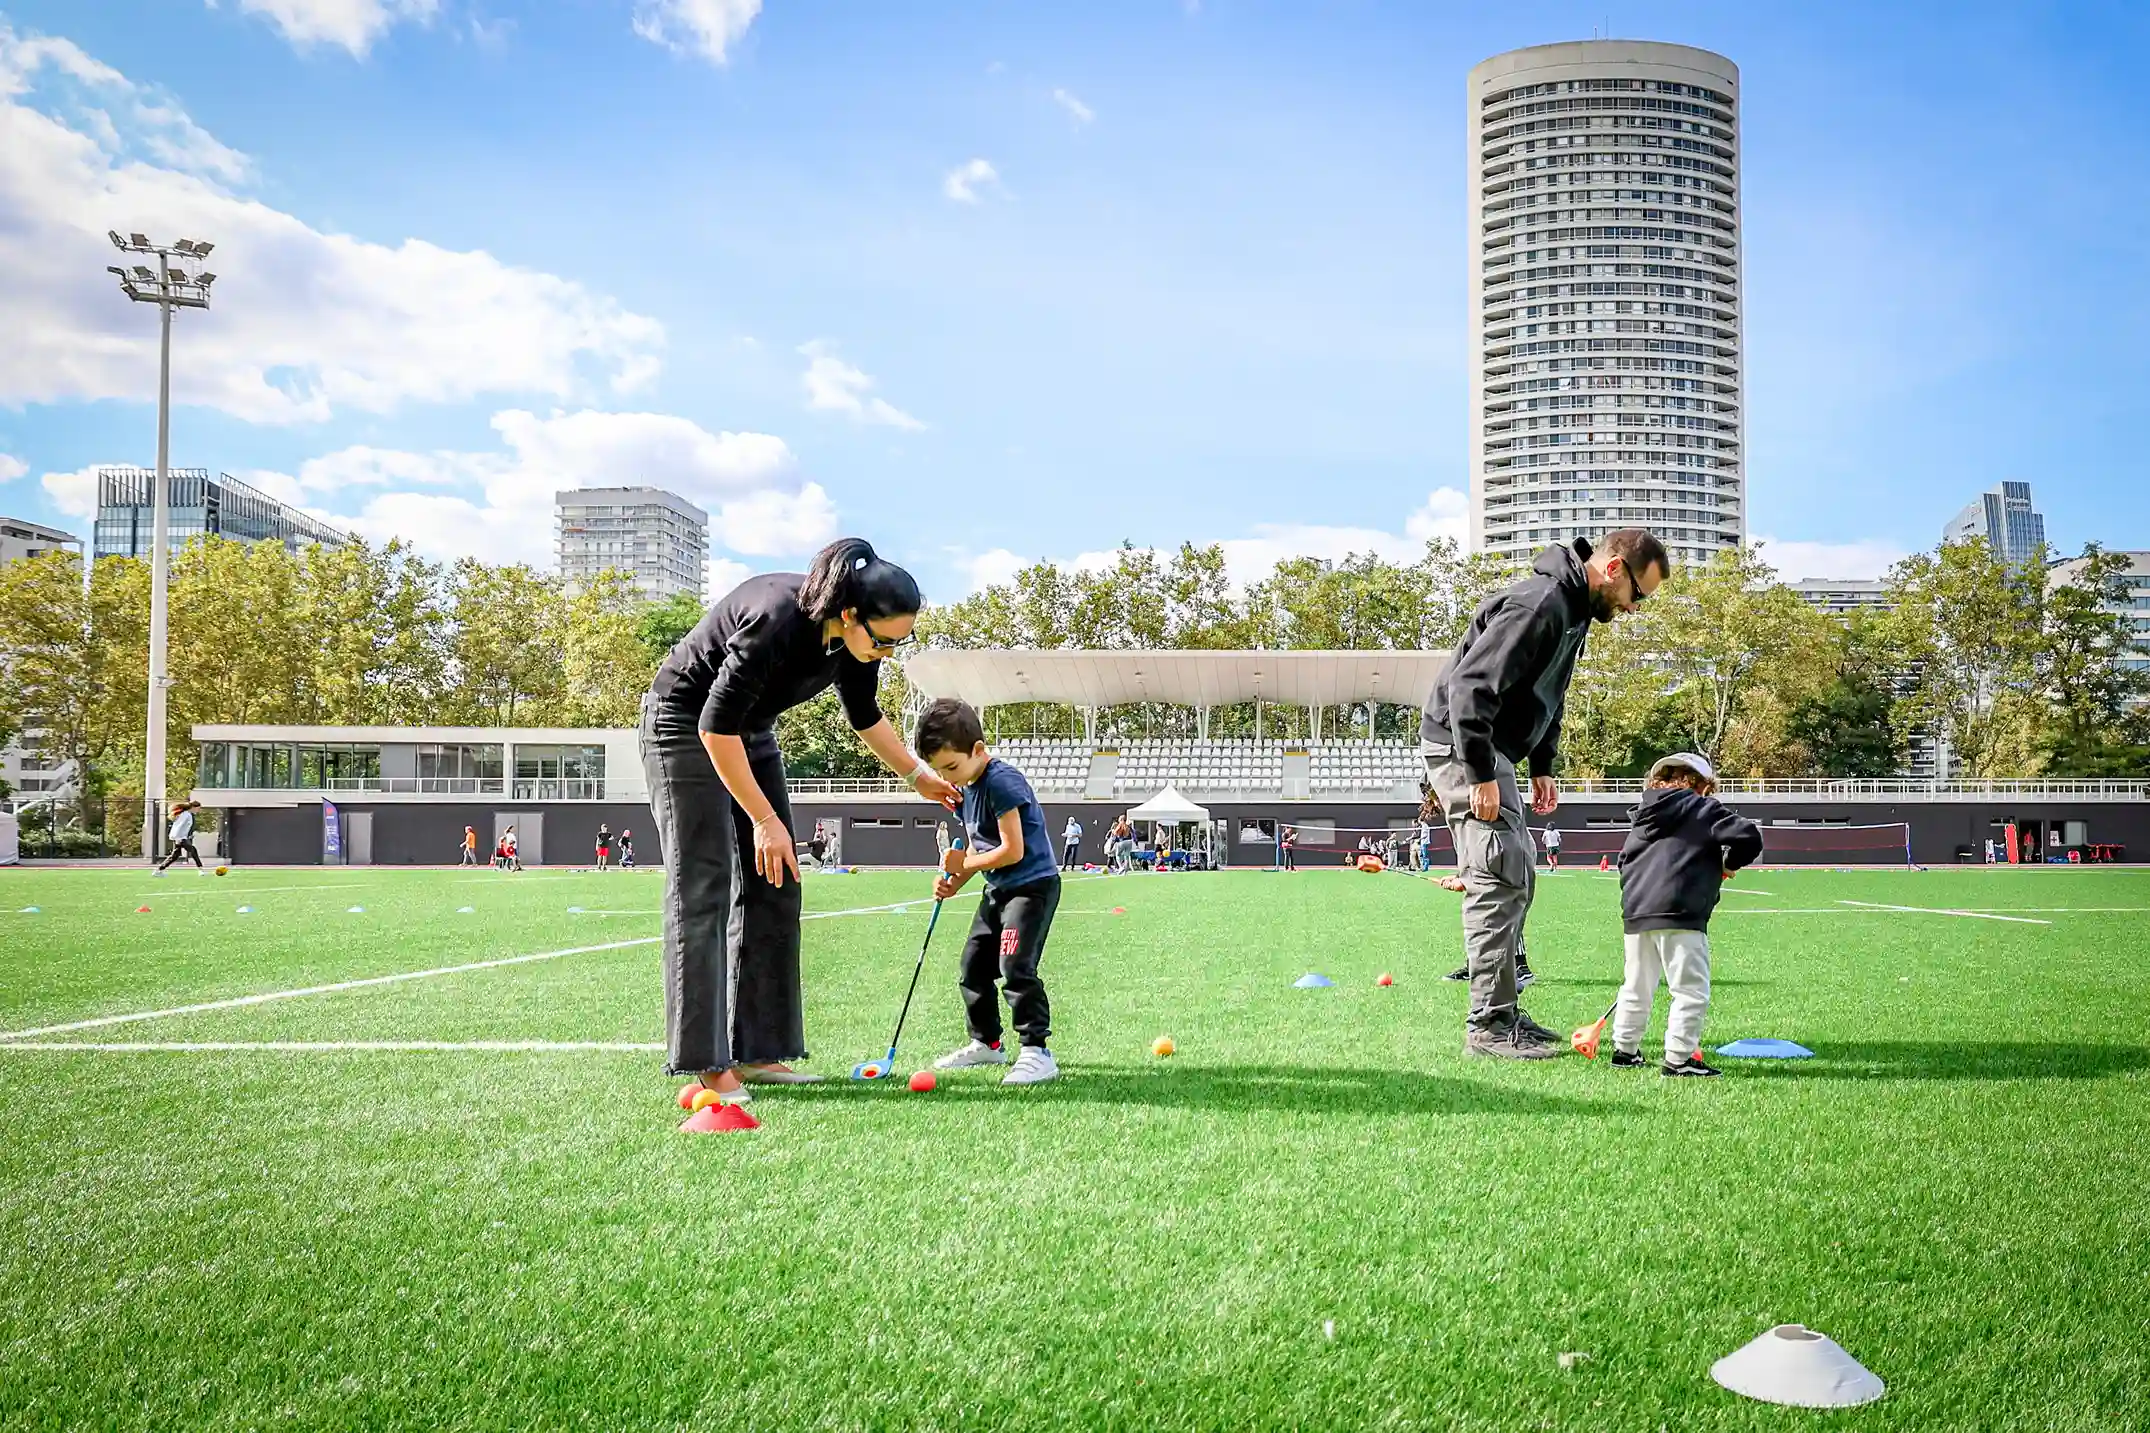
[[1005, 942]]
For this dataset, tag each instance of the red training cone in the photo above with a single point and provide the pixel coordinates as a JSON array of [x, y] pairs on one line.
[[141, 910], [718, 1119]]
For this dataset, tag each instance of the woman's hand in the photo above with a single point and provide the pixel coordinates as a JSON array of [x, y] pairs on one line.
[[774, 852]]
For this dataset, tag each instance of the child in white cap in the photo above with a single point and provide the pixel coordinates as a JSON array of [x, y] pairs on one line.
[[1682, 846]]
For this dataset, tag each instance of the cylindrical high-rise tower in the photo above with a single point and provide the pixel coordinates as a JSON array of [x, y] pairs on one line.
[[1605, 297]]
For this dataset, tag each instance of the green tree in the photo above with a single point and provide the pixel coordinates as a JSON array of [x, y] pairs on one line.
[[504, 652], [2087, 689], [1968, 626], [661, 624]]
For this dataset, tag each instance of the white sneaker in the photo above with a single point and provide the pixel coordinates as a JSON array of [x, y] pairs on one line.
[[977, 1052], [1033, 1067]]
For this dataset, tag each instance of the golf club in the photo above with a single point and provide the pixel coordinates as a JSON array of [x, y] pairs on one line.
[[1585, 1040], [877, 1070]]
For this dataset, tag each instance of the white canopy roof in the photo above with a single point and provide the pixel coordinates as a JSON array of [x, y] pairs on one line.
[[1169, 806], [1183, 678]]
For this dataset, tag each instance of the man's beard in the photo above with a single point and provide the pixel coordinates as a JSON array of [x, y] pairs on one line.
[[1601, 605]]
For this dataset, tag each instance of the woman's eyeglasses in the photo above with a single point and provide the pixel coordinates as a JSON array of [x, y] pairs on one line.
[[886, 644]]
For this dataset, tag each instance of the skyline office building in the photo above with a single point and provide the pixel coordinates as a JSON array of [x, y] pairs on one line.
[[199, 505], [1606, 370], [658, 538], [2004, 517]]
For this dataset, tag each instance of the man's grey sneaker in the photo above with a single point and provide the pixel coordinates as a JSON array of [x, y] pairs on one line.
[[1532, 1030], [1461, 972], [1510, 1043], [1628, 1060], [1691, 1068]]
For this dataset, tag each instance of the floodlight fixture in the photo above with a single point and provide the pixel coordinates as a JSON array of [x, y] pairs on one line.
[[141, 241], [201, 249], [117, 241]]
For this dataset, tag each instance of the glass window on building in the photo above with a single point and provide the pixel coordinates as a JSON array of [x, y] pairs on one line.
[[444, 761], [559, 773]]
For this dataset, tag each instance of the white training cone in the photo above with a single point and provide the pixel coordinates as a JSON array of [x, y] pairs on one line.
[[1793, 1364]]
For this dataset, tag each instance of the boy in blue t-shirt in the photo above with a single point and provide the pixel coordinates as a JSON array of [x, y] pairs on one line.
[[1008, 842]]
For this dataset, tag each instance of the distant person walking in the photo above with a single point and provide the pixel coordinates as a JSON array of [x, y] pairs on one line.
[[470, 845], [1498, 702], [604, 846], [181, 834], [1071, 843], [732, 1008], [1552, 847]]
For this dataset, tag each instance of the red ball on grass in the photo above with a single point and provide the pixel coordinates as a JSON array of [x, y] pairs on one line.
[[923, 1081]]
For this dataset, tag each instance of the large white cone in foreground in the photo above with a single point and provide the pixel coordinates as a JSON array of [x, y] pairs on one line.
[[1793, 1364]]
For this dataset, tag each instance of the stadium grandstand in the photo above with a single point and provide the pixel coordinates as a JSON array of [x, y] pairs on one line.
[[398, 796]]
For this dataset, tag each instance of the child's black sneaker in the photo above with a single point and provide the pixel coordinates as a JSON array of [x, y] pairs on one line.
[[1692, 1066], [1627, 1059], [1461, 972], [1523, 976]]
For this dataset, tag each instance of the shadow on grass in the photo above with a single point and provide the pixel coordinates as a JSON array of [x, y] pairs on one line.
[[1251, 1088], [1953, 1060]]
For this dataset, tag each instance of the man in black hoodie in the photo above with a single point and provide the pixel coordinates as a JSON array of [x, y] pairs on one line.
[[1497, 703]]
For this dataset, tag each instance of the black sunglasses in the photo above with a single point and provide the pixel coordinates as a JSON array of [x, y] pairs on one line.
[[886, 644]]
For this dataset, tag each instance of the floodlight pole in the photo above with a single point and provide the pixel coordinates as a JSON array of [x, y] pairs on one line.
[[160, 570], [167, 289]]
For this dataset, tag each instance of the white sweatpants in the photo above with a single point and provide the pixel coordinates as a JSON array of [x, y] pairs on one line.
[[1682, 957]]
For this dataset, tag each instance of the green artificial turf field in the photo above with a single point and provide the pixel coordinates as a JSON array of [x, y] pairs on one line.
[[1318, 1214]]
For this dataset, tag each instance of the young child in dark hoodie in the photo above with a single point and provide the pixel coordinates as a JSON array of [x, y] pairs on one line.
[[1682, 846]]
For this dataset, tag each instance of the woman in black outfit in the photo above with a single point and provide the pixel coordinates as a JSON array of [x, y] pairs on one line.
[[716, 785]]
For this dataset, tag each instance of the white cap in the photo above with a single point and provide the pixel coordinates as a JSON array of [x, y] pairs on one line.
[[1699, 765]]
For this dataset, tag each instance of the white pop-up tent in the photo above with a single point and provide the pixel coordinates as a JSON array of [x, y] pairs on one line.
[[1169, 808]]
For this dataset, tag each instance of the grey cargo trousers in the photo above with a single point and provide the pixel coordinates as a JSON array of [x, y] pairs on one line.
[[1499, 868]]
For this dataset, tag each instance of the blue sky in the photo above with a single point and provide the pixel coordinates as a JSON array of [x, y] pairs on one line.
[[987, 282]]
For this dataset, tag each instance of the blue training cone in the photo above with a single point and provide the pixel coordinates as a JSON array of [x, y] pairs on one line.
[[29, 910], [244, 911], [1764, 1048], [356, 911], [466, 910], [1312, 981]]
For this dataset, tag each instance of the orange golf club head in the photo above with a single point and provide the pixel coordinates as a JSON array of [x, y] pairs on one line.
[[1587, 1038]]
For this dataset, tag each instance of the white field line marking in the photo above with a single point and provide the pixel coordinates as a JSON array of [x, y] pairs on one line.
[[240, 1001], [1932, 911], [241, 890], [1732, 890], [310, 1047]]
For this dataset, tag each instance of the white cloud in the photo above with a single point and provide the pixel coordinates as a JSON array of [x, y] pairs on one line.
[[11, 467], [704, 28], [963, 182], [835, 386], [498, 505], [993, 569], [724, 575], [1445, 513], [1081, 112], [353, 24], [73, 493], [307, 323], [1870, 558]]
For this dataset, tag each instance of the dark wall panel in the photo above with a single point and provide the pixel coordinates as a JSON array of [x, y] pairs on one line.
[[900, 833]]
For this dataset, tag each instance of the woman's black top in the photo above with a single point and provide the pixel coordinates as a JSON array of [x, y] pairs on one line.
[[755, 656]]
